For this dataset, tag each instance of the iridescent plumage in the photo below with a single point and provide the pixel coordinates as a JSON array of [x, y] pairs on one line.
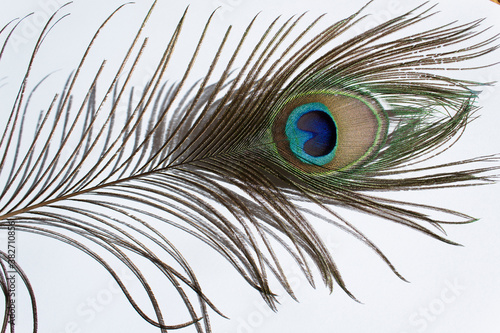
[[237, 161]]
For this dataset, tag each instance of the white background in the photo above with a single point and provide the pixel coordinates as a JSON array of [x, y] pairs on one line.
[[456, 286]]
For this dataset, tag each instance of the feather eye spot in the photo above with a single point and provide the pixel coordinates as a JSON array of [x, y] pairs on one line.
[[321, 132], [312, 133]]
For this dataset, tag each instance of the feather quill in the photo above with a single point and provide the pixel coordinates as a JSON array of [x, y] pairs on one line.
[[212, 159]]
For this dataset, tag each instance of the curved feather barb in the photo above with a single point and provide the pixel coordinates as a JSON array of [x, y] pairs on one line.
[[240, 161]]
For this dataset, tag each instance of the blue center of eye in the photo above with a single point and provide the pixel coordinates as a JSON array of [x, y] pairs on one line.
[[323, 130], [312, 133]]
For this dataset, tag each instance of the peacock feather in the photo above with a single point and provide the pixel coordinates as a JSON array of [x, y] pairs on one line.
[[284, 130]]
